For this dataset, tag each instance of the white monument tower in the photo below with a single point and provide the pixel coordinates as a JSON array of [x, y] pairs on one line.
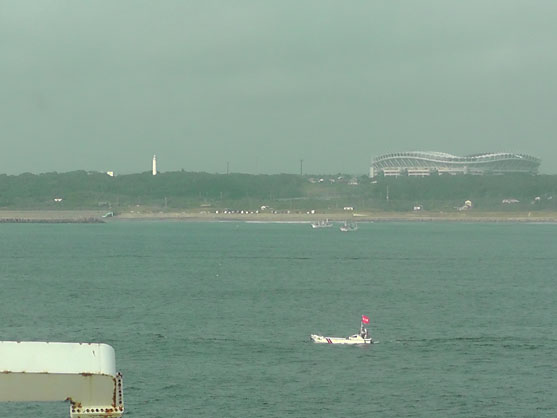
[[154, 165]]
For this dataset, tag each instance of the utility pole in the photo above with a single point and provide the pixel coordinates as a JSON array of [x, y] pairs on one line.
[[301, 168]]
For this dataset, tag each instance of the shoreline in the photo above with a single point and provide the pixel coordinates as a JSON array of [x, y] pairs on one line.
[[88, 216]]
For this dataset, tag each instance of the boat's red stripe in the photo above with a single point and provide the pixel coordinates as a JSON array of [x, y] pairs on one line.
[[329, 341]]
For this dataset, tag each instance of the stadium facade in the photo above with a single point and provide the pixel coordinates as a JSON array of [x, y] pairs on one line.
[[421, 163]]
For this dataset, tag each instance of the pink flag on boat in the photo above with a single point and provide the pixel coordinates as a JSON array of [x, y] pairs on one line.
[[365, 319]]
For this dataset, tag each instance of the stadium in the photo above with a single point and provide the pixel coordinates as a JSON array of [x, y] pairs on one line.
[[420, 163]]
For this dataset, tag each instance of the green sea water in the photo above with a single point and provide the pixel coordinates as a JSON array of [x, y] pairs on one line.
[[213, 319]]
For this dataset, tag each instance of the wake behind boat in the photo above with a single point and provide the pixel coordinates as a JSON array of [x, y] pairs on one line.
[[361, 338]]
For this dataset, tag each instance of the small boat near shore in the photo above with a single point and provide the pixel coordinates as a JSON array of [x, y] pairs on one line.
[[321, 224], [361, 338], [349, 227]]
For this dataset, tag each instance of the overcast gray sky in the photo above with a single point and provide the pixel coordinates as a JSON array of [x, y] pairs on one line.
[[102, 85]]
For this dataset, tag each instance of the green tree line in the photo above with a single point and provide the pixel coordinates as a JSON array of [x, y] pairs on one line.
[[183, 190]]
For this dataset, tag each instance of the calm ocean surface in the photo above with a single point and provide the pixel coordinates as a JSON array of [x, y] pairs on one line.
[[213, 319]]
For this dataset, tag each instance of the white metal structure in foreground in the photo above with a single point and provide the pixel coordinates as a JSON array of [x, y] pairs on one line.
[[82, 373]]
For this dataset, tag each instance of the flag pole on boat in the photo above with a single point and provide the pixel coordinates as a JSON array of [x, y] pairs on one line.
[[363, 330]]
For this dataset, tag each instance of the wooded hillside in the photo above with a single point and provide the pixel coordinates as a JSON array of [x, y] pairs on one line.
[[186, 190]]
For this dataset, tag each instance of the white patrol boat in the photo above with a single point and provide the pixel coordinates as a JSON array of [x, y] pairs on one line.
[[362, 337]]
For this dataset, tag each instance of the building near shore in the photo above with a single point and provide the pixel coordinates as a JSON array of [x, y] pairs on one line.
[[422, 163]]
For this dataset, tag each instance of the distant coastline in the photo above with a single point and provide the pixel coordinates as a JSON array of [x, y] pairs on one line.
[[77, 216]]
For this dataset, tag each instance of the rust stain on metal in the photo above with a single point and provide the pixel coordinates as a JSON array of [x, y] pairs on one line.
[[86, 374], [114, 393], [110, 412], [74, 403]]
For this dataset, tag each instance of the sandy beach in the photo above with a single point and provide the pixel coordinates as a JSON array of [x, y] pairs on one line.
[[470, 216], [87, 216]]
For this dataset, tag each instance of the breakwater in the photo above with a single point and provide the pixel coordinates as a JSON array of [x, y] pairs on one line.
[[51, 221]]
